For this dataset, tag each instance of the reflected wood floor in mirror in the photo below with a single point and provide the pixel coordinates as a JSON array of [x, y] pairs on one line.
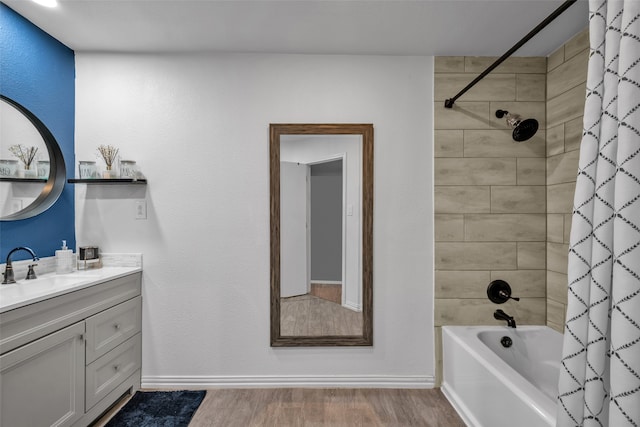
[[326, 407], [308, 315], [327, 291]]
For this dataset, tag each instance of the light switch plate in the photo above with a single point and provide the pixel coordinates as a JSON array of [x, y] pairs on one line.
[[141, 209]]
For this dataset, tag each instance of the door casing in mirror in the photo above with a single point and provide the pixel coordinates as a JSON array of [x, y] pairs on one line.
[[366, 131]]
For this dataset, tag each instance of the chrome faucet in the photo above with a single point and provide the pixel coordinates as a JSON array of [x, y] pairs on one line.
[[8, 272], [501, 315]]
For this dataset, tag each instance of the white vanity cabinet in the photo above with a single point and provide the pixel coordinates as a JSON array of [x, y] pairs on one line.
[[67, 359], [43, 381]]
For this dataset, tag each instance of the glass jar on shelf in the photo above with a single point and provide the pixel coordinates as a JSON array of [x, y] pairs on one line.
[[87, 169], [8, 168], [128, 169], [43, 169]]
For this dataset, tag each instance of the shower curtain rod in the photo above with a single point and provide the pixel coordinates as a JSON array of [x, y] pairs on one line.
[[449, 102]]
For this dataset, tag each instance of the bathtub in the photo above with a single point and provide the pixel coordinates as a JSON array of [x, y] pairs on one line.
[[493, 386]]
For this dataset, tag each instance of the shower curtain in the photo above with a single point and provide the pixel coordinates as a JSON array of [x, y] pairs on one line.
[[600, 373]]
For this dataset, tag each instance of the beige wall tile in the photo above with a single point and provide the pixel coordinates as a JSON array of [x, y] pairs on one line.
[[555, 59], [526, 109], [518, 199], [531, 255], [555, 140], [540, 189], [562, 167], [448, 64], [530, 87], [567, 227], [494, 87], [556, 327], [576, 44], [475, 256], [531, 171], [567, 106], [513, 64], [499, 143], [568, 75], [573, 133], [505, 227], [448, 143], [556, 313], [463, 115], [461, 284], [462, 199], [474, 171], [557, 287], [438, 350], [524, 283], [560, 197], [449, 227], [527, 311], [555, 228], [557, 257]]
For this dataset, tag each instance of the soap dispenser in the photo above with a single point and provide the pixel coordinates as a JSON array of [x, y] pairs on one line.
[[64, 259]]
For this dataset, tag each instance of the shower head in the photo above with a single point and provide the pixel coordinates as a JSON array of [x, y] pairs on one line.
[[522, 129]]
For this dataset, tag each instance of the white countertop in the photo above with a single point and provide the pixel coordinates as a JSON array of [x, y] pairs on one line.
[[46, 286]]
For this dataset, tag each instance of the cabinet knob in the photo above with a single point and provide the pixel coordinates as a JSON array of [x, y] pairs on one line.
[[116, 367], [117, 326]]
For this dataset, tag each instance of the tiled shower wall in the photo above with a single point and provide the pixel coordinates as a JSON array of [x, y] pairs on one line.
[[566, 80], [490, 209], [502, 209]]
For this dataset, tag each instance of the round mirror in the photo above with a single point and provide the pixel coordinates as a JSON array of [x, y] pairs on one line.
[[32, 168]]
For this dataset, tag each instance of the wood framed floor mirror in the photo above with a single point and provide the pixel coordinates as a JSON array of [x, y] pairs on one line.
[[321, 208]]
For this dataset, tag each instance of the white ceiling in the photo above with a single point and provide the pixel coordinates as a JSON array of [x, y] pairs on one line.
[[388, 27]]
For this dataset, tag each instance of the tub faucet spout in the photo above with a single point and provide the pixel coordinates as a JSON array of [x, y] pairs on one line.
[[501, 315]]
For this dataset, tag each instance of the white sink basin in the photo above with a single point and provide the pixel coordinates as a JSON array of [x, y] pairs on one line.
[[47, 286]]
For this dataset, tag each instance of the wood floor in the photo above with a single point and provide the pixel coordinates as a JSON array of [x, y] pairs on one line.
[[307, 315], [327, 291], [326, 407], [288, 407]]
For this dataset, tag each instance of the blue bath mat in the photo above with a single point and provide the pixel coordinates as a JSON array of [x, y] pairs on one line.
[[158, 409]]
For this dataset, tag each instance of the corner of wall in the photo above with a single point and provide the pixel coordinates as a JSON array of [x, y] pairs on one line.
[[566, 88]]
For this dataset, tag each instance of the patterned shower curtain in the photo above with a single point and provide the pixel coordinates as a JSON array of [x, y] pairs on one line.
[[600, 373]]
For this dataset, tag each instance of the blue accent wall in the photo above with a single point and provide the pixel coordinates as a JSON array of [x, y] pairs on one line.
[[38, 72]]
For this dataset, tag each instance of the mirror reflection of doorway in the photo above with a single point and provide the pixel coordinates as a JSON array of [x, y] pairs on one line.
[[313, 229], [326, 230], [313, 215]]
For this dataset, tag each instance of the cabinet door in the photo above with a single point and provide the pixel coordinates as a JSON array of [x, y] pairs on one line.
[[42, 383]]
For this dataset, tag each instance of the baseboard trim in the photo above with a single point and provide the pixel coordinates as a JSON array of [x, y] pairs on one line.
[[329, 381], [351, 306]]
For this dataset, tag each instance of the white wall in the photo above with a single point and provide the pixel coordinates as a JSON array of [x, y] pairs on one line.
[[198, 126]]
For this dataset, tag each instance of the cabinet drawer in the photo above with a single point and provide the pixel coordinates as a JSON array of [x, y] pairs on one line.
[[110, 370], [28, 323], [112, 327]]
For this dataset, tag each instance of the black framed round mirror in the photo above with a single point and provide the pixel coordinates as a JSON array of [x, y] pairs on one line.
[[55, 181]]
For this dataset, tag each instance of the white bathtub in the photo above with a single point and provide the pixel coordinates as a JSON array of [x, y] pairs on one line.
[[493, 386]]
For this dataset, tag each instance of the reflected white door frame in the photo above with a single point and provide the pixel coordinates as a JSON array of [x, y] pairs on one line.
[[345, 284]]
